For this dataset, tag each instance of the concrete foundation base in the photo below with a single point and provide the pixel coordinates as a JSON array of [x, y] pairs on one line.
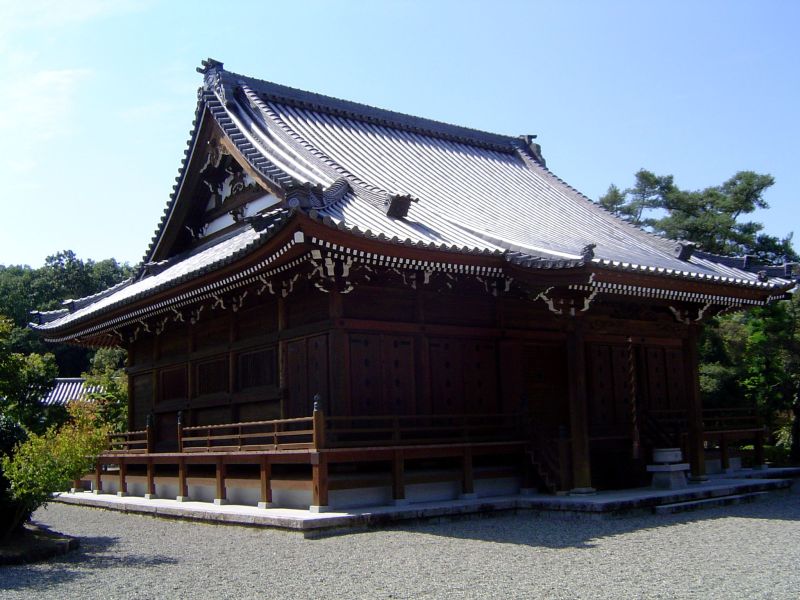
[[220, 501], [183, 499], [265, 505], [318, 509], [150, 496]]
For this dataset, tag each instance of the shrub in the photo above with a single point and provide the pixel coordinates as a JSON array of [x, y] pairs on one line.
[[11, 434], [48, 463]]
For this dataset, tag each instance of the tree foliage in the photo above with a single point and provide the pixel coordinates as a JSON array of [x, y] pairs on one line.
[[63, 276], [24, 381], [47, 463], [109, 383], [746, 359], [711, 217]]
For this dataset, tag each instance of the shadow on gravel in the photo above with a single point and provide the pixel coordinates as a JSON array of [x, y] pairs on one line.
[[95, 553], [554, 531]]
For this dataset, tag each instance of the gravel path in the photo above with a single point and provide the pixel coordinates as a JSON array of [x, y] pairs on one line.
[[746, 551]]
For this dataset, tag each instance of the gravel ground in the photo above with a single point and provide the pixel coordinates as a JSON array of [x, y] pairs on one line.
[[745, 551]]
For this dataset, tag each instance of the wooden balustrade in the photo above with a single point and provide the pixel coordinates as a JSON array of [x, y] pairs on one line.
[[278, 434], [402, 430], [131, 442]]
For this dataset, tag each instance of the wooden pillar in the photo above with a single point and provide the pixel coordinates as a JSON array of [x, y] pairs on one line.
[[123, 482], [283, 382], [578, 409], [98, 477], [266, 483], [183, 488], [150, 492], [319, 482], [221, 496], [758, 455], [694, 406], [467, 475], [318, 424], [724, 457], [399, 478], [338, 402]]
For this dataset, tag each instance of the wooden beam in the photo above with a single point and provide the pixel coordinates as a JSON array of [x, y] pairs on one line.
[[98, 477]]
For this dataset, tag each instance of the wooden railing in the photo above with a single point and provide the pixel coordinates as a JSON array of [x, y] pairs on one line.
[[278, 434], [400, 430], [319, 431], [131, 441]]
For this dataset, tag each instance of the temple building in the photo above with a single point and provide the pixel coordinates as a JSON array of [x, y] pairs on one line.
[[344, 305]]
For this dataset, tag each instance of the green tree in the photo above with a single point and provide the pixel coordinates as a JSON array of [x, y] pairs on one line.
[[47, 463], [63, 276], [709, 217], [24, 381], [746, 359], [109, 383]]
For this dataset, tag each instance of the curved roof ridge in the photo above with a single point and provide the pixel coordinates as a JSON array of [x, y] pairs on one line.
[[365, 112]]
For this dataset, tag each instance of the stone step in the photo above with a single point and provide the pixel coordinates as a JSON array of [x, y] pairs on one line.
[[678, 507]]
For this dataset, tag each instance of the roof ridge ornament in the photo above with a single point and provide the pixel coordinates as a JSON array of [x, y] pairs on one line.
[[209, 64], [684, 249], [534, 148], [587, 252]]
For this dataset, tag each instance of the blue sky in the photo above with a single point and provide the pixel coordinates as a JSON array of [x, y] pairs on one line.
[[98, 97]]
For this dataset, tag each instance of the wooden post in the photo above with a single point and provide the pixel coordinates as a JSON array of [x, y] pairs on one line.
[[399, 477], [694, 406], [123, 483], [266, 484], [150, 492], [579, 430], [318, 424], [724, 457], [221, 495], [467, 475], [319, 482], [183, 488], [148, 431], [98, 478], [758, 451], [563, 460], [180, 431]]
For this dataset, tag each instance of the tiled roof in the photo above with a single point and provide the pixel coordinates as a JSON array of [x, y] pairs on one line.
[[179, 269], [342, 163], [66, 389]]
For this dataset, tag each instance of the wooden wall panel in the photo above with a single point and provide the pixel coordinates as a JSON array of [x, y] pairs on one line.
[[601, 390], [380, 305], [447, 377], [546, 384], [212, 416], [365, 374], [655, 374], [676, 378], [317, 353], [212, 332], [141, 401], [173, 384], [259, 411], [297, 379], [399, 387], [480, 376]]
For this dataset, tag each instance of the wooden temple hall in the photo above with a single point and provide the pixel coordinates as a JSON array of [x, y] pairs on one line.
[[347, 306]]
